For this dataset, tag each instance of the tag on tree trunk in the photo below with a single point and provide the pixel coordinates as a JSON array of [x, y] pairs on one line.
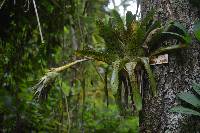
[[160, 59]]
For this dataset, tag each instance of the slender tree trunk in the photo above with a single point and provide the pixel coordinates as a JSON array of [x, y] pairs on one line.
[[174, 77]]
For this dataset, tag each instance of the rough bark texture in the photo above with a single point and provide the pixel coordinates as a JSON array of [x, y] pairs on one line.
[[174, 77]]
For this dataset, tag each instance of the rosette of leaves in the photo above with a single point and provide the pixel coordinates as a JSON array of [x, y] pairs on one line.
[[128, 48], [192, 99]]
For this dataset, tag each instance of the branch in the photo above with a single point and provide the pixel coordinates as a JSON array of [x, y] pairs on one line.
[[64, 67]]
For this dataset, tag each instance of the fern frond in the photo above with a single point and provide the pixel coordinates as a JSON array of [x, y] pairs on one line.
[[168, 49], [130, 68], [150, 74]]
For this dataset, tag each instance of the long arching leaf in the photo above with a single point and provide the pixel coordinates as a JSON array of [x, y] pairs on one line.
[[117, 66], [176, 27], [115, 76], [152, 38], [172, 35], [190, 98], [130, 67], [167, 49], [183, 110], [151, 78]]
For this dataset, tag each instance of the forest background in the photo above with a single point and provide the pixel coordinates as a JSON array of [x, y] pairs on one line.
[[77, 102], [36, 36]]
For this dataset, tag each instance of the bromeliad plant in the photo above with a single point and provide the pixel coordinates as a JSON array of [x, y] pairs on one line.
[[128, 49]]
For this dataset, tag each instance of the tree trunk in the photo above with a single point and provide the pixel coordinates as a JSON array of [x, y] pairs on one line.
[[174, 77]]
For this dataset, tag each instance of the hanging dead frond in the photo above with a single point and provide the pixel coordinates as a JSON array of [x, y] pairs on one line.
[[42, 88]]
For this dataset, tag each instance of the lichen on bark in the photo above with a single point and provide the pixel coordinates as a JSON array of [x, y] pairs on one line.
[[178, 75]]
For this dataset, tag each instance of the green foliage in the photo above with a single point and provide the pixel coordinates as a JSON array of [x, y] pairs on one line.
[[74, 103], [183, 110], [130, 67], [129, 18], [152, 81], [24, 59], [192, 99], [135, 43], [115, 76], [197, 30]]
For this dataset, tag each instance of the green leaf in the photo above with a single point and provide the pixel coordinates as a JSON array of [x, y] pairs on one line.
[[155, 25], [117, 21], [129, 18], [152, 38], [172, 35], [190, 98], [107, 32], [167, 49], [196, 87], [100, 56], [183, 110], [176, 27], [130, 67], [115, 76], [117, 66], [197, 30], [152, 80]]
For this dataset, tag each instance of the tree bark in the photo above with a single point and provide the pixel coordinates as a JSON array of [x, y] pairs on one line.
[[172, 78]]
